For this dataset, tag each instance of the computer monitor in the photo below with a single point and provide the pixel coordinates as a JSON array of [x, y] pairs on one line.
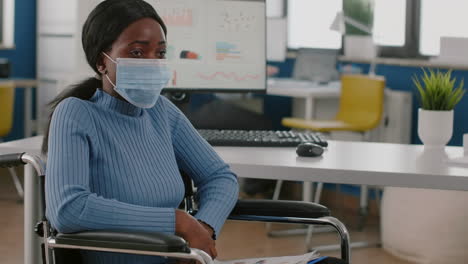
[[316, 65], [215, 45]]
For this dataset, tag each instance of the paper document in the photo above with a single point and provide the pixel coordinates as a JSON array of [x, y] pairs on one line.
[[300, 259]]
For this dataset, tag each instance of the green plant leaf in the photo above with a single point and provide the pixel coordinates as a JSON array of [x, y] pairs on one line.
[[436, 90]]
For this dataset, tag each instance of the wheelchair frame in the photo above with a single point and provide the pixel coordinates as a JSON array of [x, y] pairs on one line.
[[158, 244]]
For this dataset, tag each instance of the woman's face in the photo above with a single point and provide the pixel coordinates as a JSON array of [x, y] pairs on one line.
[[143, 39]]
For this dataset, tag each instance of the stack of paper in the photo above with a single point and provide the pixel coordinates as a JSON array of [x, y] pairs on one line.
[[300, 259]]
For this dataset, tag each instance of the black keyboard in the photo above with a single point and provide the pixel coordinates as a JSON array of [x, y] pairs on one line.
[[260, 138]]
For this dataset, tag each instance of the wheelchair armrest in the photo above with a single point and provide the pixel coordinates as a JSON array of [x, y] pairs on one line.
[[280, 208], [148, 241]]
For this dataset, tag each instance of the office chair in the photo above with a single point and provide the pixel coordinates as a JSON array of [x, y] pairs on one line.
[[57, 246], [7, 99], [360, 110], [317, 65]]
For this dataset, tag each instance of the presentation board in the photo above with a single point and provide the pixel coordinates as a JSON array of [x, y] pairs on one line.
[[215, 44]]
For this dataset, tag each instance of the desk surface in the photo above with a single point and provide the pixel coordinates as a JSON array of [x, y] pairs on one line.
[[21, 82], [354, 163], [343, 162]]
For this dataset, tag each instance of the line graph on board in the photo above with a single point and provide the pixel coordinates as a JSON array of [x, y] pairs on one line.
[[228, 76]]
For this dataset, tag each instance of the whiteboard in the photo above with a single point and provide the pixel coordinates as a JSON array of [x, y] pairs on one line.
[[215, 44]]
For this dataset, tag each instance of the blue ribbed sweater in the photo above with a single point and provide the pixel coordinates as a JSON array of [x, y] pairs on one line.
[[112, 165]]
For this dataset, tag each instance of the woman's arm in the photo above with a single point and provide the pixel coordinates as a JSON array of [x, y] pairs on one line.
[[71, 206], [217, 184]]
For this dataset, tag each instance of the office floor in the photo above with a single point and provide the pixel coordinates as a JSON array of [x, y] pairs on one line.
[[237, 240]]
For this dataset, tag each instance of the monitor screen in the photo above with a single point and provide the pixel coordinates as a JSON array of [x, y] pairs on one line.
[[215, 45], [316, 65]]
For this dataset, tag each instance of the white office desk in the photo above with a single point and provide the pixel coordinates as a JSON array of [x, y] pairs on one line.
[[28, 85], [309, 91], [353, 163], [343, 162]]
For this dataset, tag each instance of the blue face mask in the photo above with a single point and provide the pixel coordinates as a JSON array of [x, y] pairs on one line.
[[140, 81]]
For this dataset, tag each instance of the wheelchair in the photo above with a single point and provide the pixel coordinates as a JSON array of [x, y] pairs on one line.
[[62, 248]]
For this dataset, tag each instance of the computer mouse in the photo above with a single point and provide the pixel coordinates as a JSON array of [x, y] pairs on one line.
[[309, 149]]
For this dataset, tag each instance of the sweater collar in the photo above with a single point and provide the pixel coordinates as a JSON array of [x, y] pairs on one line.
[[115, 104]]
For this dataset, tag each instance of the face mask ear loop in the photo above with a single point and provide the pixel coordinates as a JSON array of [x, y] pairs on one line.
[[109, 58], [106, 71], [110, 80]]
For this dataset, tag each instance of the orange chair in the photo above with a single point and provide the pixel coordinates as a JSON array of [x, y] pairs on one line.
[[7, 98]]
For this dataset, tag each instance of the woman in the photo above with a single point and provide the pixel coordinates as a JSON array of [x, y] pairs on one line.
[[115, 146]]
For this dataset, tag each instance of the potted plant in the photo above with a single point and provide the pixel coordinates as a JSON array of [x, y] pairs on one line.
[[438, 96], [361, 11], [418, 237], [357, 42]]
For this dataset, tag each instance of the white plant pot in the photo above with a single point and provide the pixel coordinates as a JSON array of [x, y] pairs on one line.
[[435, 127], [362, 47]]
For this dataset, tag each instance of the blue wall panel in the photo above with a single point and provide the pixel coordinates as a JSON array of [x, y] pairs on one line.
[[400, 78]]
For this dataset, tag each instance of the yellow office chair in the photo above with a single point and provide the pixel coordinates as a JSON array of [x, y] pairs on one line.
[[360, 110], [7, 98]]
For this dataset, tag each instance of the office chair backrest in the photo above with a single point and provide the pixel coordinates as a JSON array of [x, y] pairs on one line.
[[361, 100], [7, 95], [316, 65]]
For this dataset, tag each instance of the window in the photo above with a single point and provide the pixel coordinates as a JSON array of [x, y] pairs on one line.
[[7, 11], [390, 22], [441, 19], [402, 28], [309, 24]]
